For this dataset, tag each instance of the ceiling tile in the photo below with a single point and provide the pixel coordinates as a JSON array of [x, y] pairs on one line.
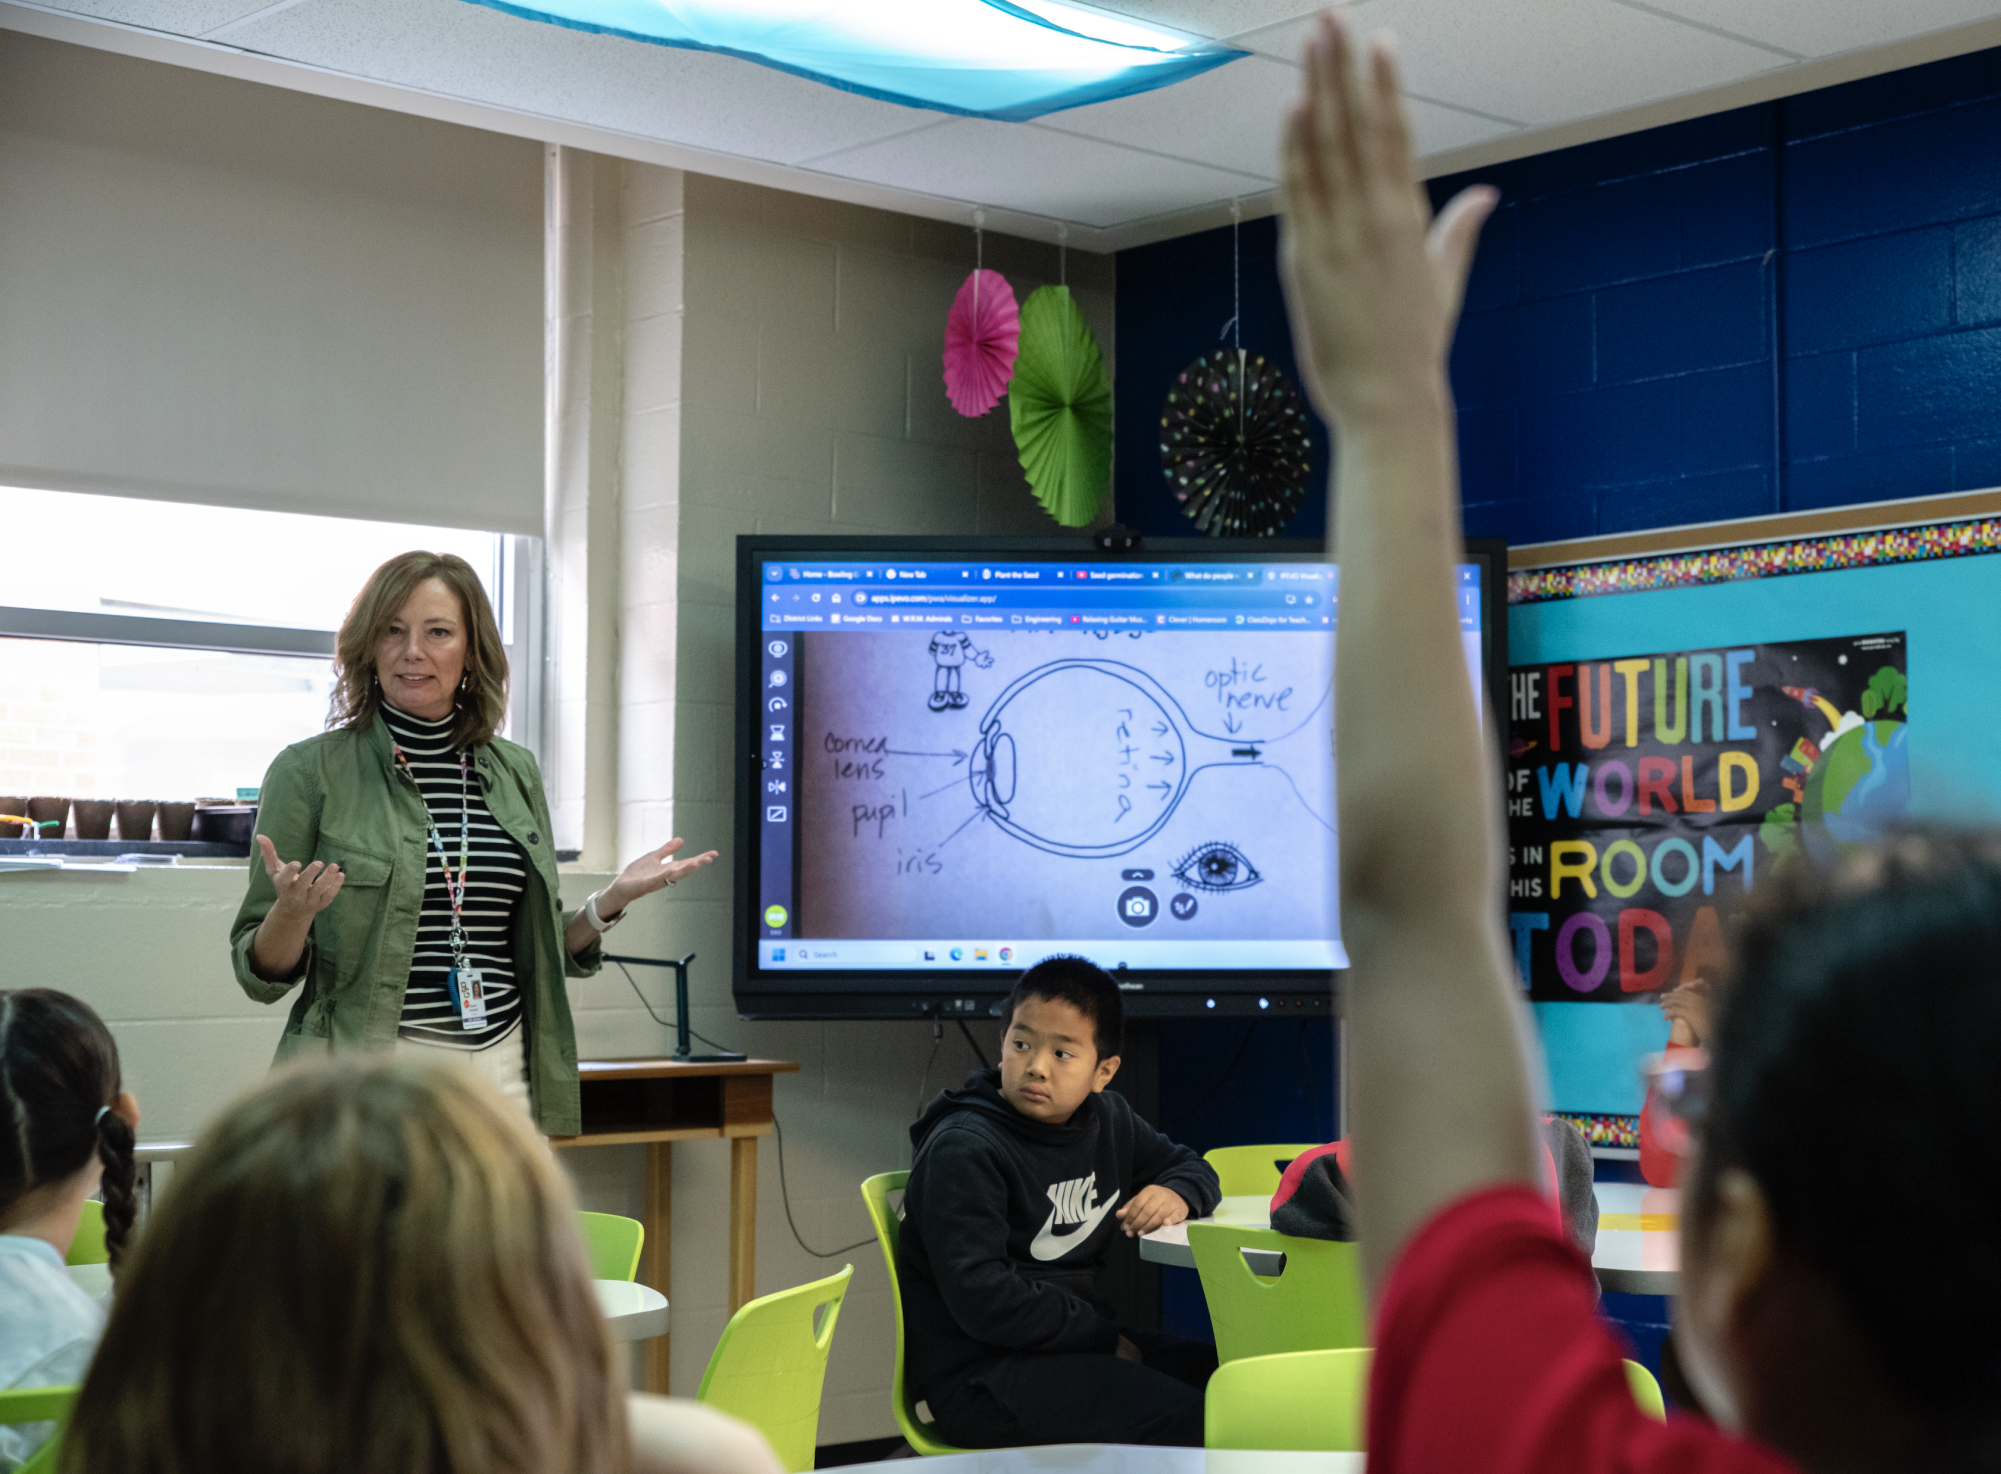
[[176, 17], [1039, 171], [1824, 27], [1213, 18], [697, 98], [1543, 61], [1434, 129], [1228, 117]]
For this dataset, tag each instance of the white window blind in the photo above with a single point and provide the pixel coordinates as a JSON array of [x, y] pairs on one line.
[[216, 291]]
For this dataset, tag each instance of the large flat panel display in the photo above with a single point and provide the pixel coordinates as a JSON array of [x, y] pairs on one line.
[[966, 759]]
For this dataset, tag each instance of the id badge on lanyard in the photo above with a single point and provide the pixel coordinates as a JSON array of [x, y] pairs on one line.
[[465, 986], [468, 989]]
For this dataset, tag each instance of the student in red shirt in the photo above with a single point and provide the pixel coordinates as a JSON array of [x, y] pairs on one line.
[[1840, 1280]]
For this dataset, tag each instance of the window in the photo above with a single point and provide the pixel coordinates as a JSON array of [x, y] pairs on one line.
[[156, 650]]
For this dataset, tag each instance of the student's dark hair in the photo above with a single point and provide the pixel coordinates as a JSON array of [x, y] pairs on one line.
[[1087, 988], [1856, 1076], [58, 1074]]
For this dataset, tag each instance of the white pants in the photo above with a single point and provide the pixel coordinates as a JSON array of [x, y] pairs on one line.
[[503, 1065]]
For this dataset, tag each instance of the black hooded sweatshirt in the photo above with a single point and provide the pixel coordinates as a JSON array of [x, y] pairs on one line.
[[1006, 1222]]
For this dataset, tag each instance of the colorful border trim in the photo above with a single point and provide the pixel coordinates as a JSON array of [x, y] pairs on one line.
[[1605, 1130], [1963, 539]]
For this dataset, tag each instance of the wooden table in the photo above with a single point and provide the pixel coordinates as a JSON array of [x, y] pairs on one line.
[[1638, 1252], [656, 1100]]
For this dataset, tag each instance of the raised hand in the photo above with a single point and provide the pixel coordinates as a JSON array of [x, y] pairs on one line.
[[1687, 1012], [1372, 281], [302, 891]]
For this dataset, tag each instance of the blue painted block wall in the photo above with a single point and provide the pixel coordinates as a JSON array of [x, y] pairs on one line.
[[1789, 306], [1783, 307]]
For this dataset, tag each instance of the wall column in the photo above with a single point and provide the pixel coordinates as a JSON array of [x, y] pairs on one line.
[[650, 508], [581, 564]]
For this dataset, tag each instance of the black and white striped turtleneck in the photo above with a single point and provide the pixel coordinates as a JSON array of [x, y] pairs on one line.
[[496, 874]]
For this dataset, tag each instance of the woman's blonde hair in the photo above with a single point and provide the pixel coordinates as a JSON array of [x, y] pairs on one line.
[[357, 694], [366, 1264]]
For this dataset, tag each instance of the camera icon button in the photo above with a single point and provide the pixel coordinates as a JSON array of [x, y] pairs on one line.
[[1138, 906]]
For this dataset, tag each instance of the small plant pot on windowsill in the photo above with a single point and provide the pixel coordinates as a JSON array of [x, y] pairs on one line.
[[93, 818], [16, 806], [135, 818], [51, 816], [177, 821]]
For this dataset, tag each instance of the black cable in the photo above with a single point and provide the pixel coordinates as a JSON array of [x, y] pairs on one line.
[[786, 1196], [924, 1080], [665, 1024], [974, 1044], [784, 1192]]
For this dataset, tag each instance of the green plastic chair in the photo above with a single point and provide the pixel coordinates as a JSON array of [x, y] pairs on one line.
[[1253, 1171], [614, 1244], [1315, 1304], [771, 1363], [1646, 1391], [39, 1405], [88, 1245], [1312, 1400], [889, 1233], [1318, 1400]]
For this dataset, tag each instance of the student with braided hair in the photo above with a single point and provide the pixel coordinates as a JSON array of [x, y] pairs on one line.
[[66, 1125]]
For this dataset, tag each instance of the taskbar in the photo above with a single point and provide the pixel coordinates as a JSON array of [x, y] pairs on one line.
[[878, 955]]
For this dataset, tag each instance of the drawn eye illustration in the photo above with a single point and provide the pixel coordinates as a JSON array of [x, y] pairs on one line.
[[1216, 867]]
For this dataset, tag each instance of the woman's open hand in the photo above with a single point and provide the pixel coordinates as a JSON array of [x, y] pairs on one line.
[[1373, 282], [649, 873], [302, 891]]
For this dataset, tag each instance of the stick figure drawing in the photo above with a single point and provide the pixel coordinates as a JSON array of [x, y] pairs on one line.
[[950, 650]]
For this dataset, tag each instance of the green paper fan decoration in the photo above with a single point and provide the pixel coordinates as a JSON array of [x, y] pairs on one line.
[[1234, 445], [1060, 404]]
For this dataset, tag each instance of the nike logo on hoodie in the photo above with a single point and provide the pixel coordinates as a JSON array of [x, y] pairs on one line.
[[1074, 1204]]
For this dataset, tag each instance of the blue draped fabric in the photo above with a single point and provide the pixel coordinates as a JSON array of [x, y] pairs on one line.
[[1005, 59]]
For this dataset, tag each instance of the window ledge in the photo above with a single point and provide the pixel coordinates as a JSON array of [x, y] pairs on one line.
[[156, 851]]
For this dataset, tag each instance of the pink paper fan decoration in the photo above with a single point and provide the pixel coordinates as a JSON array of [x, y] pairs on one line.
[[981, 334]]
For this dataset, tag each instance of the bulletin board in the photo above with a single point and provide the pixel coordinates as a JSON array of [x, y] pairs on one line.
[[1873, 633]]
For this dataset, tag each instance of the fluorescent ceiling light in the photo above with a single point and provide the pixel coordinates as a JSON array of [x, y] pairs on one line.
[[1009, 59]]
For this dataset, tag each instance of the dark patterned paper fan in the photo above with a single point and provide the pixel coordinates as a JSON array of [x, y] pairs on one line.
[[1234, 444]]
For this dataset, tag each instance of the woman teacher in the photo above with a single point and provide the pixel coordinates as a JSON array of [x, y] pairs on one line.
[[409, 869]]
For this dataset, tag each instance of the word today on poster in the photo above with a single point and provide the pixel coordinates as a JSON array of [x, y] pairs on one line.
[[1650, 794]]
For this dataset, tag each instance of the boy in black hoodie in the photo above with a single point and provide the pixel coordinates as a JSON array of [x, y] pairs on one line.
[[1020, 1183]]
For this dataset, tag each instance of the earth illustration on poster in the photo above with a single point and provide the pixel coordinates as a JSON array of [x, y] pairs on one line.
[[1649, 795]]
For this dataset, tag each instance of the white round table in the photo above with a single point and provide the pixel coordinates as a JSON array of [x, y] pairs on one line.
[[1639, 1238], [632, 1312]]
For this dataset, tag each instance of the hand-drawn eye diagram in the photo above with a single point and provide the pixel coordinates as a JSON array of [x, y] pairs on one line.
[[1216, 867], [1090, 758]]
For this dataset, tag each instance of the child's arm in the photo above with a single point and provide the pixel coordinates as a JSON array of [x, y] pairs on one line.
[[1169, 1183], [1440, 1099]]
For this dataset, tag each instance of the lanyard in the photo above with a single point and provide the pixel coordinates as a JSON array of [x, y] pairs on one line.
[[455, 888]]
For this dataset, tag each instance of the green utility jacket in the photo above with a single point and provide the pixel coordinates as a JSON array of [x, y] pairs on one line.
[[340, 797]]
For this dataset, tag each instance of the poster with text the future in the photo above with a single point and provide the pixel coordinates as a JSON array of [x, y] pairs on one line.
[[1649, 795]]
